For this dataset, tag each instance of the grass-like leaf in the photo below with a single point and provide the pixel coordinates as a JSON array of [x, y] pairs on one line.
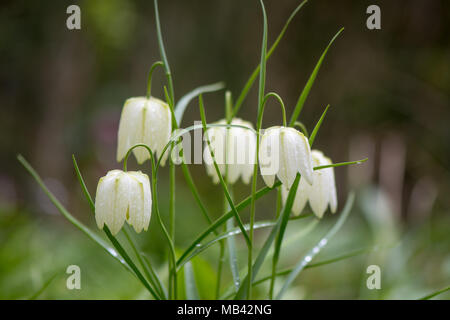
[[221, 220], [159, 285], [340, 164], [317, 248], [232, 256], [301, 100], [67, 214], [189, 282], [187, 98], [229, 234], [251, 80], [242, 292], [162, 52], [317, 264], [434, 294], [222, 181], [146, 266], [46, 284], [261, 88], [317, 127]]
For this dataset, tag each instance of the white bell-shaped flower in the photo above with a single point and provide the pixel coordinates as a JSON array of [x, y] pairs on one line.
[[234, 147], [321, 194], [283, 153], [147, 121], [123, 196]]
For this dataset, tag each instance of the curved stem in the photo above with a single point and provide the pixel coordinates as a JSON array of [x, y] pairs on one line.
[[302, 127], [283, 109], [154, 170], [150, 73]]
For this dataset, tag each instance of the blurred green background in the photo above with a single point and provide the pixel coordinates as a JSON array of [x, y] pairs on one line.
[[62, 92]]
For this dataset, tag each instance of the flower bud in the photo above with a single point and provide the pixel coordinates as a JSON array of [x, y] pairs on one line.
[[321, 194], [147, 121], [123, 196], [234, 147], [283, 153]]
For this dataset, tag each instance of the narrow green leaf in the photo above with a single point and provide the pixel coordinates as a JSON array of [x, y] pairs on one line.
[[157, 279], [318, 264], [67, 214], [317, 127], [251, 80], [232, 256], [340, 164], [262, 64], [434, 294], [295, 238], [46, 284], [184, 101], [222, 181], [145, 266], [242, 292], [230, 234], [309, 84], [317, 248], [189, 282], [221, 220], [278, 243], [162, 52]]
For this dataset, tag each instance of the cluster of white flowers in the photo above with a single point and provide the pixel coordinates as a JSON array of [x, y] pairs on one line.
[[284, 152], [126, 196]]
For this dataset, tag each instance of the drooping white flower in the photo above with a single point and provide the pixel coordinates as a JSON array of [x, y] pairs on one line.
[[321, 194], [146, 121], [123, 196], [283, 152], [234, 147]]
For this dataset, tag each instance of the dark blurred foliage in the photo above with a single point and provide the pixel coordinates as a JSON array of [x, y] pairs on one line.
[[62, 92]]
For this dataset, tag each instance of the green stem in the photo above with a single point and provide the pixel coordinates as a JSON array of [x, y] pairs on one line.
[[172, 212], [222, 182], [302, 128], [264, 101], [173, 270], [150, 73], [262, 82], [141, 262], [228, 113], [258, 128]]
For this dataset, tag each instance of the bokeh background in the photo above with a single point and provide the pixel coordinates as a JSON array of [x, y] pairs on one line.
[[62, 92]]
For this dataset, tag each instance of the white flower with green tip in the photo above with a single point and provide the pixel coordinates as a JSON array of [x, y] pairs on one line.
[[284, 152], [123, 196], [147, 121]]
